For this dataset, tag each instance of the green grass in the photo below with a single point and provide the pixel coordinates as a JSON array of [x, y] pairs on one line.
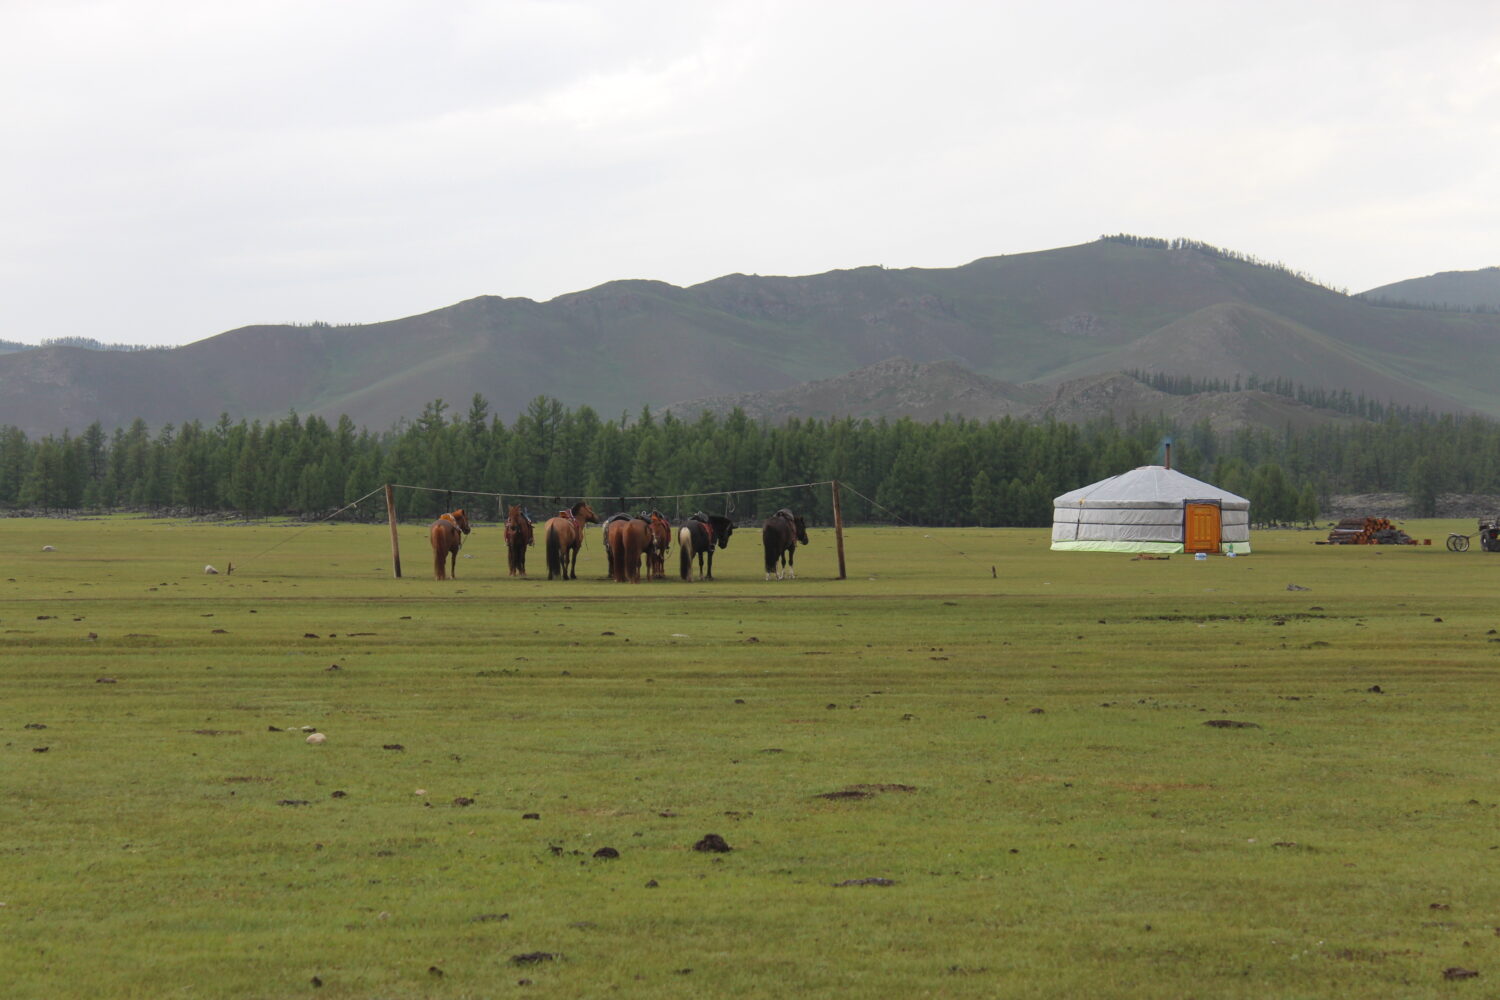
[[1108, 845]]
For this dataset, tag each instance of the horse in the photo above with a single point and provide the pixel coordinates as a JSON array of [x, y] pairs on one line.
[[699, 536], [660, 540], [628, 538], [564, 536], [609, 554], [780, 535], [447, 536], [518, 535]]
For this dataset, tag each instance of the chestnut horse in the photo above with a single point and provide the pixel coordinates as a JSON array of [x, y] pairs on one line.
[[609, 553], [628, 537], [699, 536], [780, 535], [518, 535], [564, 536], [447, 536], [660, 540]]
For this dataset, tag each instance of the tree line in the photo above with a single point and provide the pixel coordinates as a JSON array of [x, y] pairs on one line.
[[950, 472], [1209, 250]]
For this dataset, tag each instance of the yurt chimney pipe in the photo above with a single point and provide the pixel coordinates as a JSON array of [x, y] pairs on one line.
[[1168, 462]]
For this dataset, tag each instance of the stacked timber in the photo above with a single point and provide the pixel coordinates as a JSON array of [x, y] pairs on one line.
[[1368, 531]]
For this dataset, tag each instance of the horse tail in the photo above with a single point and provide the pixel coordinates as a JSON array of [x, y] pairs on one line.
[[554, 553], [773, 547], [685, 551], [439, 553]]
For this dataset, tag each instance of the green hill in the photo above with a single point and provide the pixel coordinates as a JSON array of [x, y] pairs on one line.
[[1457, 290], [1110, 305]]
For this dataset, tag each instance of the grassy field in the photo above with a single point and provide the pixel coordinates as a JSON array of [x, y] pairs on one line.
[[1018, 740]]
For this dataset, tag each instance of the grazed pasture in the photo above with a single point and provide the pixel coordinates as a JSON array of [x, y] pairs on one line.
[[1025, 756]]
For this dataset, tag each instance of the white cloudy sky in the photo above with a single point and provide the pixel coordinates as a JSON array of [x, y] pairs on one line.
[[175, 168]]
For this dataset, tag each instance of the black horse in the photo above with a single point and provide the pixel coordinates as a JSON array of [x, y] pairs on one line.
[[699, 536], [781, 533]]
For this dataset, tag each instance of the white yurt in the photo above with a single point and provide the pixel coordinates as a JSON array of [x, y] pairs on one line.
[[1151, 509]]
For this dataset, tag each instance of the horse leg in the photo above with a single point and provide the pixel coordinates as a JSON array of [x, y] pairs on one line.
[[791, 571]]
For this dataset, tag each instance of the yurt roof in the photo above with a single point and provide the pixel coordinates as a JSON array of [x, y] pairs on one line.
[[1149, 486]]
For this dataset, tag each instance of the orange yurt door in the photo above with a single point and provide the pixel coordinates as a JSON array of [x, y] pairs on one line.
[[1201, 526]]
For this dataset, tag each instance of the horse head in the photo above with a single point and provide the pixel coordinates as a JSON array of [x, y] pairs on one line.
[[801, 525], [462, 520], [585, 513], [660, 530], [723, 528]]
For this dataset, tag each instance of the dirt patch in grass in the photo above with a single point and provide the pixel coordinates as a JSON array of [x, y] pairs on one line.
[[864, 791], [1158, 786]]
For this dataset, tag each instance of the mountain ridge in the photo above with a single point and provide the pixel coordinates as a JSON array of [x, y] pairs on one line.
[[1043, 317]]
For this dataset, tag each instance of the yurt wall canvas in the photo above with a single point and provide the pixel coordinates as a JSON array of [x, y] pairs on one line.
[[1149, 510]]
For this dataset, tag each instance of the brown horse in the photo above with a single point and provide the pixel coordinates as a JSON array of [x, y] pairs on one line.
[[518, 535], [780, 535], [447, 536], [628, 538], [660, 540], [564, 536]]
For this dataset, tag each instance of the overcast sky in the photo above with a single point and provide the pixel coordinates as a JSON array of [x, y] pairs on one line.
[[173, 169]]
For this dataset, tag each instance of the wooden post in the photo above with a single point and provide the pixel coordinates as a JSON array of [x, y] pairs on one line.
[[390, 511], [838, 528]]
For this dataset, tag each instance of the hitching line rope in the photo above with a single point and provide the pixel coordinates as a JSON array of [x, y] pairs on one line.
[[903, 520], [320, 520], [581, 496]]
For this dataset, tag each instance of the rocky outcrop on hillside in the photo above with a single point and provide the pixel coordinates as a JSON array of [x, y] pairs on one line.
[[1120, 397]]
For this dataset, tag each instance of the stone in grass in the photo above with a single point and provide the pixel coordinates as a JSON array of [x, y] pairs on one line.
[[864, 881], [1231, 724], [606, 853], [712, 843], [317, 739], [534, 958], [1454, 972]]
